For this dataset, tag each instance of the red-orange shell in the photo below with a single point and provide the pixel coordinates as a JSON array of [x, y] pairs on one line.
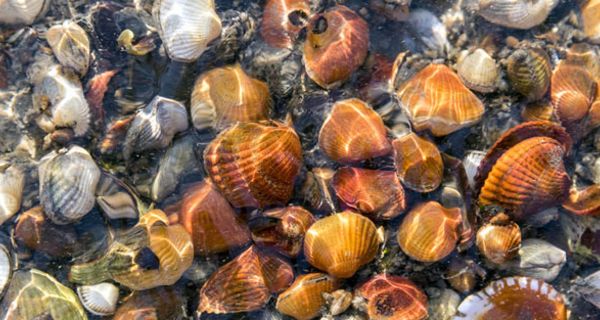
[[304, 298], [572, 91], [282, 21], [336, 46], [418, 162], [287, 234], [584, 202], [394, 298], [435, 99], [255, 165]]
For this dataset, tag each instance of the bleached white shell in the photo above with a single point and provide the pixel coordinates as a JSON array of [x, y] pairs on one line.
[[517, 14], [478, 71], [99, 299], [186, 27], [179, 160], [70, 45], [428, 29], [115, 198], [22, 11], [12, 182], [538, 259], [471, 163]]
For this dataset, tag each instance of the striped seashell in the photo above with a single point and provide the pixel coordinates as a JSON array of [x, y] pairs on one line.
[[70, 45], [418, 162], [12, 182], [16, 12], [478, 71], [572, 90], [304, 299], [99, 299], [282, 22], [116, 199], [499, 240], [393, 297], [515, 14], [529, 72]]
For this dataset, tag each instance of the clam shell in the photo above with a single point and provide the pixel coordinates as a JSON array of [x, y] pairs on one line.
[[356, 243], [116, 199], [538, 259], [590, 10], [516, 14], [70, 45], [499, 240], [478, 71], [541, 110], [436, 99], [12, 182], [186, 27], [282, 21], [286, 233], [572, 91], [393, 297], [68, 180], [584, 202], [529, 72], [418, 163], [153, 304], [178, 161], [22, 12], [99, 299], [304, 298], [471, 162]]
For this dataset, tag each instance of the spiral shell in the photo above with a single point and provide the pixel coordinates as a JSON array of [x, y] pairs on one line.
[[478, 71], [12, 182], [286, 232], [282, 22], [529, 72], [516, 14], [70, 45], [304, 299], [590, 10], [157, 303], [499, 240], [16, 12], [116, 199], [99, 299], [393, 297], [572, 91], [418, 163]]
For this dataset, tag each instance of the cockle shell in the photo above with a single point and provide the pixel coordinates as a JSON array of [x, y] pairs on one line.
[[226, 95], [499, 240], [283, 20], [186, 27], [529, 72], [478, 71], [255, 165], [116, 199], [336, 46], [286, 233], [99, 299], [353, 132], [304, 299], [541, 110], [152, 304], [393, 297], [418, 163], [572, 91], [584, 202], [356, 243], [22, 12], [68, 180], [436, 99], [516, 14], [70, 45], [538, 259], [12, 182], [590, 10]]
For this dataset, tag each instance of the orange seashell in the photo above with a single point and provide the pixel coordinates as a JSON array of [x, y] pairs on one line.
[[435, 99], [286, 235], [255, 165], [572, 91], [590, 11], [304, 298], [429, 232], [515, 298], [584, 202], [152, 304], [418, 162], [375, 193], [283, 20], [115, 134], [393, 297], [336, 46], [356, 243], [245, 283], [538, 111], [499, 240], [353, 132]]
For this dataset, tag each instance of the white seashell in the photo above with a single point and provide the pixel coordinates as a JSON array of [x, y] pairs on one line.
[[517, 14], [115, 198], [22, 11], [478, 71], [186, 27], [538, 259], [12, 182], [179, 160], [99, 299], [428, 29], [471, 163], [68, 180], [6, 264], [70, 45]]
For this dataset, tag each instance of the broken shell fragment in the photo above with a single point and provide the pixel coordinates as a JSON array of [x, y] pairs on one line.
[[418, 163], [99, 299], [12, 182], [304, 298], [70, 45], [14, 12], [286, 231], [538, 259], [499, 240], [282, 22], [393, 297], [529, 72], [478, 71], [515, 14]]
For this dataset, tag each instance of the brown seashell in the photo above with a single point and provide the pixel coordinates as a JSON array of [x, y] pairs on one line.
[[353, 132], [542, 110], [152, 304], [393, 297], [255, 165], [529, 72], [336, 46], [590, 10], [435, 99], [429, 232], [376, 83], [286, 234], [356, 243], [375, 193], [318, 190], [304, 298], [283, 20], [572, 91], [418, 162], [461, 275], [499, 240], [584, 202]]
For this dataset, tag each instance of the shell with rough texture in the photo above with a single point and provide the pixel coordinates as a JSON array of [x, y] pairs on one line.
[[304, 298], [584, 202], [529, 72], [541, 110], [590, 10], [157, 303], [393, 297], [16, 12], [516, 14], [538, 259], [478, 71], [12, 182], [36, 232], [572, 91], [499, 240], [283, 20], [286, 231], [70, 45], [116, 199], [418, 163], [99, 299]]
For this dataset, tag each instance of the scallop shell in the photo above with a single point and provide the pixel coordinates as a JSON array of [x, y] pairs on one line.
[[499, 240], [538, 259], [282, 22], [418, 163], [68, 180], [541, 110], [186, 27], [529, 72], [436, 99], [590, 10], [356, 243], [286, 233], [12, 182], [255, 165], [70, 45], [16, 12], [304, 298], [516, 14], [116, 199], [471, 162], [99, 299], [478, 71], [178, 161], [226, 95], [336, 46], [584, 202], [572, 91], [152, 304], [353, 132], [393, 297]]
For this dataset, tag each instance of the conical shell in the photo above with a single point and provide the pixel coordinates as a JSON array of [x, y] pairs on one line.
[[255, 165], [529, 72], [353, 132], [304, 299], [429, 232], [418, 163], [478, 71], [22, 12], [68, 180], [573, 89], [435, 99], [286, 233], [70, 45], [186, 27], [226, 95], [499, 240], [516, 14], [99, 299], [282, 22], [356, 243], [336, 46], [116, 199], [393, 297], [584, 202], [153, 304], [12, 182], [590, 10]]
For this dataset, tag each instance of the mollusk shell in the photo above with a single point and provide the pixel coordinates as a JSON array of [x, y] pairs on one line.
[[573, 89], [99, 299], [12, 182], [499, 240], [70, 45], [287, 233], [428, 30], [22, 12], [336, 46], [541, 110], [393, 297], [418, 162], [36, 232], [437, 100], [304, 298], [152, 304], [529, 72], [516, 14], [538, 259], [584, 202], [590, 10], [478, 71], [282, 21], [6, 267], [116, 199], [461, 275], [178, 161], [471, 162], [318, 190], [589, 288], [255, 165]]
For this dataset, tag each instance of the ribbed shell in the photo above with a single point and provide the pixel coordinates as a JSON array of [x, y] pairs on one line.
[[429, 232], [572, 91], [435, 99], [478, 71], [590, 11], [393, 298], [516, 14], [356, 243], [286, 233], [529, 72], [186, 27], [584, 202], [226, 95], [116, 199], [255, 165], [336, 46], [68, 180], [499, 240], [12, 182], [70, 45], [418, 163], [282, 21], [22, 12], [99, 299], [304, 299], [353, 132]]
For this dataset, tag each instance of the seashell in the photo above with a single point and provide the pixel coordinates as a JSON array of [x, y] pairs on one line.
[[541, 110], [15, 12], [33, 294], [529, 72], [375, 193], [572, 91], [418, 163], [443, 306], [115, 134], [336, 46], [515, 14], [499, 240], [428, 30], [116, 199], [226, 95], [152, 304], [393, 297], [516, 298], [391, 10], [429, 232], [155, 126], [255, 165], [589, 15], [375, 83], [538, 259], [245, 283], [356, 243], [353, 132], [478, 71], [68, 180], [304, 298], [99, 299], [286, 233], [12, 182], [584, 202], [436, 99], [461, 275], [471, 162], [186, 27], [589, 288], [524, 171], [318, 190], [338, 301], [282, 22], [34, 231], [70, 45], [587, 56], [178, 161]]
